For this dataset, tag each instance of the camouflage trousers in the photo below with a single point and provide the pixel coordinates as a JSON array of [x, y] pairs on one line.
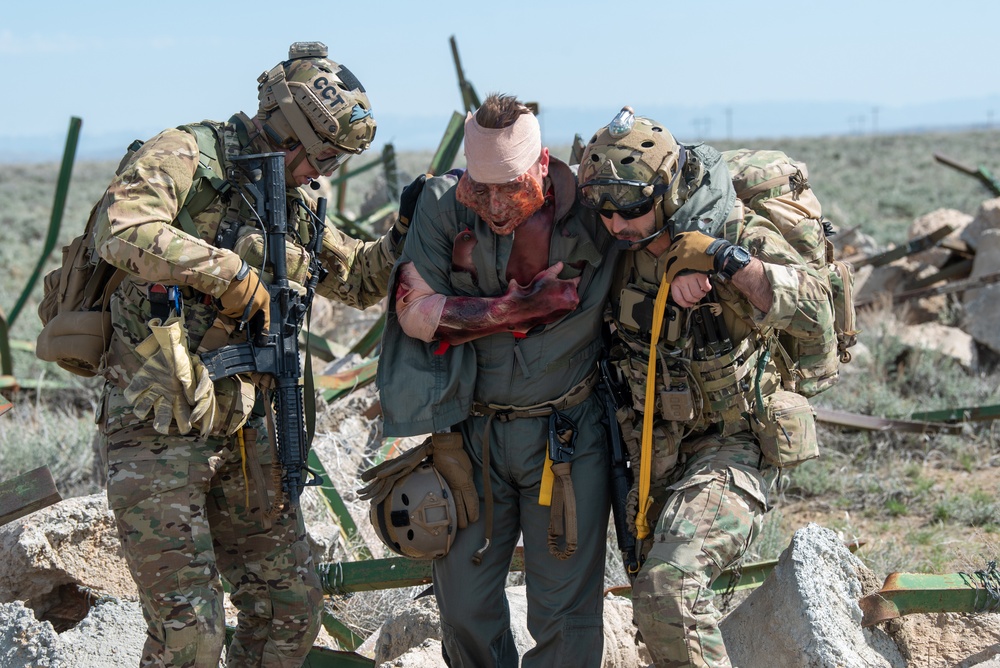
[[709, 514], [189, 509]]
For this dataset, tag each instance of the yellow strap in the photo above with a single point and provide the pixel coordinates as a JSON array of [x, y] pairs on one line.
[[645, 461], [545, 492], [243, 459]]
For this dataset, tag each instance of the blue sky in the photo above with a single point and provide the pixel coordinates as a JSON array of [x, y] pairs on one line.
[[831, 66]]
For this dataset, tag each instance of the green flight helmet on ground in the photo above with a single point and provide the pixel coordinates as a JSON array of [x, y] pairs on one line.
[[632, 164], [311, 100], [418, 518]]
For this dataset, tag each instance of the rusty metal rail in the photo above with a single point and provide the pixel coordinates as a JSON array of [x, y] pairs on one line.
[[909, 593]]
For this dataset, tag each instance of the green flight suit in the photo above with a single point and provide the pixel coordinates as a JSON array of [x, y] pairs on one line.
[[564, 597]]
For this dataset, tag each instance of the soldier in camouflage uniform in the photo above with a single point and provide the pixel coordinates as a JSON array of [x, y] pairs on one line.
[[695, 308], [192, 478]]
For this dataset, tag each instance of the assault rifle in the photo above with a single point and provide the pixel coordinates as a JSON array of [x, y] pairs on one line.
[[621, 474], [261, 178]]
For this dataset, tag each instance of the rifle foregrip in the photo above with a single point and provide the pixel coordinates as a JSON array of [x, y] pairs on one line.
[[290, 429]]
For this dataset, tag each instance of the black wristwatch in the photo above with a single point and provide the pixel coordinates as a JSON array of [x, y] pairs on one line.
[[730, 260]]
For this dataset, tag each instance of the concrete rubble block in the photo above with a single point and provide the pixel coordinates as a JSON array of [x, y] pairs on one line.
[[806, 614], [948, 341], [981, 314], [69, 547], [887, 278], [111, 636], [935, 220], [986, 218], [427, 654], [26, 642]]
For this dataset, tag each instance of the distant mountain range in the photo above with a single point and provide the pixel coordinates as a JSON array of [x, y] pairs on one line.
[[560, 124]]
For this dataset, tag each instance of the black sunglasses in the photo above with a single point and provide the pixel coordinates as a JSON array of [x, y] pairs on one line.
[[629, 213]]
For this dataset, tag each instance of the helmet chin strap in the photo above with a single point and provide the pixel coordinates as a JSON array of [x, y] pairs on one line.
[[626, 244]]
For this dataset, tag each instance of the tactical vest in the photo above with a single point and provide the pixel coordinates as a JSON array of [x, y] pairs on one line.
[[710, 361], [215, 213]]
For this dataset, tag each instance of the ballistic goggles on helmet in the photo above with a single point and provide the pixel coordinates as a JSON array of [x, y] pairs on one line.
[[329, 159], [628, 198]]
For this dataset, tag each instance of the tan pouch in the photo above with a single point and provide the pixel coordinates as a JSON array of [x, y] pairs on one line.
[[75, 340], [786, 429], [235, 398]]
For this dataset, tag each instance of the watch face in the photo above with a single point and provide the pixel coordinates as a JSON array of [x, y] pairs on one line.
[[738, 257]]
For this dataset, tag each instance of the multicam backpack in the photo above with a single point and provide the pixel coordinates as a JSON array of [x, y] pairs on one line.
[[74, 310], [776, 187]]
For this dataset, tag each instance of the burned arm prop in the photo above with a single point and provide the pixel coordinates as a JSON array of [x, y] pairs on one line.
[[429, 316]]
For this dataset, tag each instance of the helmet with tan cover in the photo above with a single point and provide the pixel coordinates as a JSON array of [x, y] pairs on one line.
[[417, 519], [311, 100], [630, 164]]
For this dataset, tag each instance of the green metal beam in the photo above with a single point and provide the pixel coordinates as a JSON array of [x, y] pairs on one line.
[[915, 246], [909, 593], [347, 638], [337, 180], [27, 493], [321, 657], [55, 220], [335, 504], [981, 173], [965, 414], [367, 343], [347, 577], [872, 423], [444, 157], [469, 98], [323, 348], [339, 384], [6, 361]]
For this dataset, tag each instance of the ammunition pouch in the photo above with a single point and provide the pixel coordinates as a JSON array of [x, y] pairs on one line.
[[785, 427], [726, 385]]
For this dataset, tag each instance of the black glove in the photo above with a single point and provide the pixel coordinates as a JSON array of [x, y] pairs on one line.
[[407, 205]]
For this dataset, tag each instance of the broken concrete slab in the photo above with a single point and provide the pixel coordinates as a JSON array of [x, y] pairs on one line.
[[806, 613], [928, 223], [987, 218], [948, 341], [62, 555], [982, 316]]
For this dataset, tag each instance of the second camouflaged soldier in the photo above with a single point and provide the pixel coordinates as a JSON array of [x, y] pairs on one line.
[[696, 308], [191, 472]]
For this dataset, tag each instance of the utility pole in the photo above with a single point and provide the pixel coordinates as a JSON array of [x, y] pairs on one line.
[[874, 120], [729, 123]]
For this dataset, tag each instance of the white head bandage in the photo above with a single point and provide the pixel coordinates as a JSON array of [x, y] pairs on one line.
[[500, 155]]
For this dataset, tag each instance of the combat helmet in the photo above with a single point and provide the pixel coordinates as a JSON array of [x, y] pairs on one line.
[[632, 163], [417, 519], [311, 100]]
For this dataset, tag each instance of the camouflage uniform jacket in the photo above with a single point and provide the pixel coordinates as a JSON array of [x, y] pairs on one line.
[[496, 369], [138, 230], [705, 381]]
